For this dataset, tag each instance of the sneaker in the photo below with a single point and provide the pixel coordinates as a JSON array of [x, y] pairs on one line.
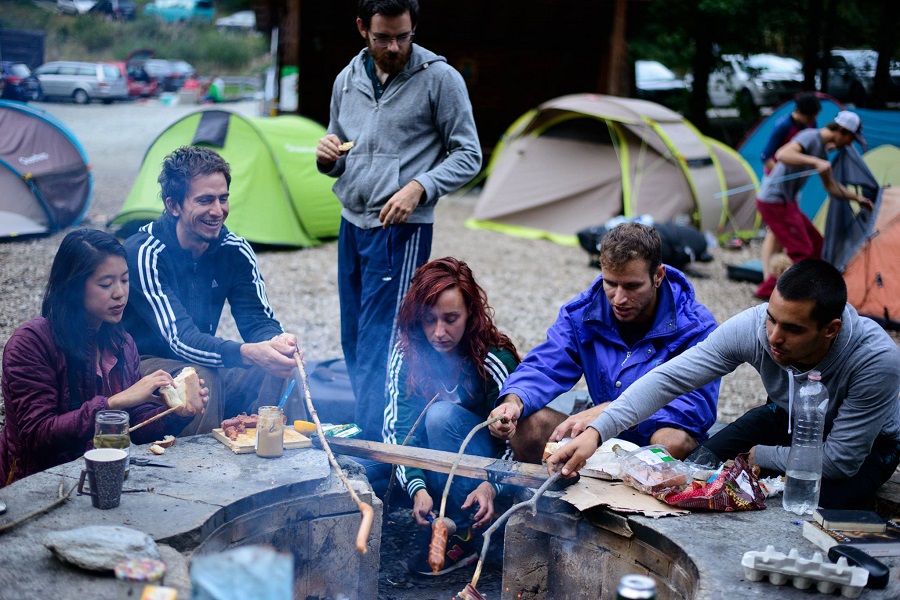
[[463, 549]]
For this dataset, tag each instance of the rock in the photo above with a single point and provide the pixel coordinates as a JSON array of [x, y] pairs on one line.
[[177, 573], [100, 548]]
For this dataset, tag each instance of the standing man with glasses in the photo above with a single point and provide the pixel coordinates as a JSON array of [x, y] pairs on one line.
[[401, 135]]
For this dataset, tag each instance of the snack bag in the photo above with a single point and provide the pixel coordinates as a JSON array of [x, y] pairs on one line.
[[652, 470], [735, 488]]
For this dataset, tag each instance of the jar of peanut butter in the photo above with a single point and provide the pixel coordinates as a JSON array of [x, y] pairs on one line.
[[269, 432]]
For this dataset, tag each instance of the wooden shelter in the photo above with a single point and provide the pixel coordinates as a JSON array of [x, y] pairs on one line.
[[513, 54]]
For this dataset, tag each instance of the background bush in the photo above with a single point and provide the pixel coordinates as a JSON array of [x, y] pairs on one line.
[[94, 38]]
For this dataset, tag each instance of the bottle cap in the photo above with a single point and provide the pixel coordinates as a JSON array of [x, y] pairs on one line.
[[815, 376]]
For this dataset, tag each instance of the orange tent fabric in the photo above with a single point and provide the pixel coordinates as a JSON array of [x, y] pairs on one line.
[[873, 274]]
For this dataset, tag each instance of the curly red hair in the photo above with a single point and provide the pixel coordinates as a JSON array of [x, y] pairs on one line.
[[428, 283]]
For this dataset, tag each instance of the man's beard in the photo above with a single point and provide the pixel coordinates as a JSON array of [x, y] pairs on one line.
[[390, 62]]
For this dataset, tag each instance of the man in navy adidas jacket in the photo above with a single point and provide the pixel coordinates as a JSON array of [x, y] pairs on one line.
[[182, 268]]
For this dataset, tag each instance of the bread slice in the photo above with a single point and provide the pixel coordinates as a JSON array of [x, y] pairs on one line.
[[185, 392]]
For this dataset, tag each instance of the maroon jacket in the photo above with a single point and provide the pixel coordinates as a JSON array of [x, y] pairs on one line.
[[44, 426]]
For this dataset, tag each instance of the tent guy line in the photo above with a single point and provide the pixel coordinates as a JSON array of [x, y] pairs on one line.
[[754, 186]]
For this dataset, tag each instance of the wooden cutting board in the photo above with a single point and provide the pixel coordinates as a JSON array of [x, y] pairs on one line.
[[246, 442]]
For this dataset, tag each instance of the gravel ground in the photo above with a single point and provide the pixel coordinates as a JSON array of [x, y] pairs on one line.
[[526, 282]]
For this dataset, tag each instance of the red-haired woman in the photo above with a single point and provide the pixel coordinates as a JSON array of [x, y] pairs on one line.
[[447, 346]]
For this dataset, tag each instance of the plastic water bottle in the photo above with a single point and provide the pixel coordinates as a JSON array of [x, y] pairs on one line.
[[803, 479]]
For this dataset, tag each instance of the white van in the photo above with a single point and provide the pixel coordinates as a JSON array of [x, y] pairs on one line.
[[82, 82]]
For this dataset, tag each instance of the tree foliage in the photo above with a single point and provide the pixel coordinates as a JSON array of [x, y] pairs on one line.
[[690, 36]]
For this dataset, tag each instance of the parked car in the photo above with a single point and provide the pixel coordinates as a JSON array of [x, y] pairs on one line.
[[751, 82], [19, 83], [140, 84], [82, 82], [74, 7], [171, 74], [851, 76], [243, 21], [115, 10], [655, 82], [176, 11]]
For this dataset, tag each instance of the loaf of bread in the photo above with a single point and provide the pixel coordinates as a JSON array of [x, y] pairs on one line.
[[185, 392]]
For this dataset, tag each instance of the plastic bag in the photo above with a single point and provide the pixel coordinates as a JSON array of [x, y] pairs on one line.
[[652, 470], [735, 488]]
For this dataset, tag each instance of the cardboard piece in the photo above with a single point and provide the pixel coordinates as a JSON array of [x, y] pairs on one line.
[[617, 496]]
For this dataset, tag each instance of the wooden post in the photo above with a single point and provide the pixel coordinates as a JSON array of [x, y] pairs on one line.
[[618, 82]]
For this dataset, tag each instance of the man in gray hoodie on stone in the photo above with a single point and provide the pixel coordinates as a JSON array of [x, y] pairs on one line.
[[807, 325], [400, 136]]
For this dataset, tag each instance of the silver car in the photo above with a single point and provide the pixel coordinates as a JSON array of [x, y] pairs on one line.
[[754, 81], [82, 82], [851, 77]]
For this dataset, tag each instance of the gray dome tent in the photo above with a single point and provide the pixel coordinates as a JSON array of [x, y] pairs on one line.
[[582, 159], [45, 180]]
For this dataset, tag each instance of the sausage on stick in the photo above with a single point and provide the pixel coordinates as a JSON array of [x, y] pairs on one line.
[[368, 513]]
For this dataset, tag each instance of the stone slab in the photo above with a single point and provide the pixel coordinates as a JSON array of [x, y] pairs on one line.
[[208, 488]]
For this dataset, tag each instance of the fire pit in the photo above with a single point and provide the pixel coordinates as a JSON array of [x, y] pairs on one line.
[[563, 554], [211, 501]]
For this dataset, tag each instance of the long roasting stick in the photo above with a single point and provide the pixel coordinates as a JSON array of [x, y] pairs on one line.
[[153, 418], [390, 487], [530, 503], [368, 514], [462, 449], [442, 528]]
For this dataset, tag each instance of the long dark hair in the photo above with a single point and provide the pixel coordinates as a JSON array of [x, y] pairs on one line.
[[79, 255], [429, 281]]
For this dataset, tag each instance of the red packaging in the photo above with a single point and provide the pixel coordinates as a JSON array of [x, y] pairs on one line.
[[736, 488]]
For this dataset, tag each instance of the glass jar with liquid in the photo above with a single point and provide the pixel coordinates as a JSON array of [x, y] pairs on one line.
[[111, 431], [270, 432]]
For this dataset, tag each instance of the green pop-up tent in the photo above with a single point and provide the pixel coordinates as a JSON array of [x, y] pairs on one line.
[[278, 197]]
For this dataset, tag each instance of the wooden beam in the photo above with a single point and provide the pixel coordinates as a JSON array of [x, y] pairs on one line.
[[475, 467], [617, 84]]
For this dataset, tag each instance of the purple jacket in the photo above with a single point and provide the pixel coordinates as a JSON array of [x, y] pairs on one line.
[[42, 430], [585, 341]]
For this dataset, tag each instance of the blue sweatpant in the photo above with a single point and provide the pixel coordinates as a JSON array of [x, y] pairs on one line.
[[375, 267]]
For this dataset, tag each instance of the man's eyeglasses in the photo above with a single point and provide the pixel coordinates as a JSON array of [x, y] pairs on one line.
[[384, 41]]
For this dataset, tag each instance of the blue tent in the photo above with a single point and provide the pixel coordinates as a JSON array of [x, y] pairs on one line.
[[880, 127], [45, 179]]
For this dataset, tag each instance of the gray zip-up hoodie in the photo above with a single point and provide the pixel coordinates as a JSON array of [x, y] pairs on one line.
[[861, 372], [422, 128]]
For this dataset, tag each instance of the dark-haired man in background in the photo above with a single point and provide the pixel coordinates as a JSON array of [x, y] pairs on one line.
[[777, 202]]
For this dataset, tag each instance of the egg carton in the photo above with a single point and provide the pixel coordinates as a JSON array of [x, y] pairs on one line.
[[805, 572]]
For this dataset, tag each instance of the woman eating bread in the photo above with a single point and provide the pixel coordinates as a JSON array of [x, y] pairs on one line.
[[75, 360]]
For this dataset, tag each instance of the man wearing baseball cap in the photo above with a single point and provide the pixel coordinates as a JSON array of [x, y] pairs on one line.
[[804, 155]]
